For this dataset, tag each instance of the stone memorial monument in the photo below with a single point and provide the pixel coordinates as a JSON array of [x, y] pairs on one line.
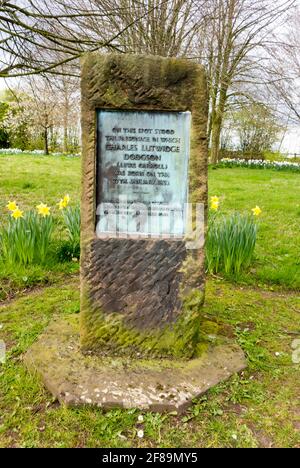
[[144, 123], [143, 339]]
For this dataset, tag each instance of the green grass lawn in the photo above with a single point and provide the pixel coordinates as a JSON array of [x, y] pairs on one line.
[[259, 408], [31, 180], [278, 195]]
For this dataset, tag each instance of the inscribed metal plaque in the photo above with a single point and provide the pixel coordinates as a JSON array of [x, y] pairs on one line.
[[142, 172]]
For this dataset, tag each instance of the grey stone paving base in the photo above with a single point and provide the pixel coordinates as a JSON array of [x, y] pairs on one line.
[[153, 385]]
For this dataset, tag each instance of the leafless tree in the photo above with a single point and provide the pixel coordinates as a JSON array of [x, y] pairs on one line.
[[234, 46], [165, 28], [67, 95], [32, 32], [43, 107], [285, 87]]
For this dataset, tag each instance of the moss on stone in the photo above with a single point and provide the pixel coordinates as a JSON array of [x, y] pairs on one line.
[[187, 338], [210, 328]]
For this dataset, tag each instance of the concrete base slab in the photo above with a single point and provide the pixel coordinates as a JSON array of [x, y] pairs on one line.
[[154, 385]]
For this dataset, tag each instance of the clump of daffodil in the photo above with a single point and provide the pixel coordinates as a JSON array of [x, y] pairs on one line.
[[63, 202], [256, 211], [17, 213], [43, 210], [214, 203], [12, 206]]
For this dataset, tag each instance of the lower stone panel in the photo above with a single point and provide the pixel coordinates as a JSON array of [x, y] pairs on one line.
[[139, 279]]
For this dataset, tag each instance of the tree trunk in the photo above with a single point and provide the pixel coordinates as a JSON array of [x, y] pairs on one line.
[[65, 144], [215, 140], [46, 143], [217, 124], [66, 126]]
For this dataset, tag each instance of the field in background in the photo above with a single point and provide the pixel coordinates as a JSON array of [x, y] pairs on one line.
[[34, 179], [259, 408]]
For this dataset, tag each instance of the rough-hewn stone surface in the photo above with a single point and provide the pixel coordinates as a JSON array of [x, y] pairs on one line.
[[137, 278], [141, 281], [155, 385]]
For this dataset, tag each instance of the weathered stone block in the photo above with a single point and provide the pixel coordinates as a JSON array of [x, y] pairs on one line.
[[141, 295]]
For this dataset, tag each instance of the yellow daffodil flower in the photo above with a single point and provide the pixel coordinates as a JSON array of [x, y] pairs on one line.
[[62, 204], [256, 211], [214, 205], [17, 213], [11, 206], [214, 199], [66, 199], [40, 207], [43, 210]]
